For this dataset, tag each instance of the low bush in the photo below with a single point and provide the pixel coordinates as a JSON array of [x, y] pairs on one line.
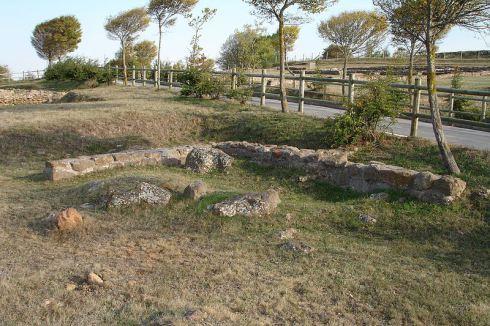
[[80, 70], [375, 101], [241, 95], [200, 84]]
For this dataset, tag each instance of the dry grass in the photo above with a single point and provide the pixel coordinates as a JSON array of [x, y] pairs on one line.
[[420, 264]]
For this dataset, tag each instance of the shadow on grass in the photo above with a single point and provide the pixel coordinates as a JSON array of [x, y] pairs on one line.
[[23, 145]]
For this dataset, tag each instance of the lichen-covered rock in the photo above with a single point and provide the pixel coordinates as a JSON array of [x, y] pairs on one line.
[[144, 193], [196, 190], [66, 220], [252, 204], [204, 160]]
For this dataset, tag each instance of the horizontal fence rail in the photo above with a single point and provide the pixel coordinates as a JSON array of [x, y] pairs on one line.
[[262, 84]]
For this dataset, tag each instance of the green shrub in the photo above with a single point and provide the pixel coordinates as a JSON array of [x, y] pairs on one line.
[[79, 69], [375, 101], [242, 95], [200, 84], [462, 106]]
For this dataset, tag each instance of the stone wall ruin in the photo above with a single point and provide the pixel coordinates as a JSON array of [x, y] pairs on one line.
[[331, 166]]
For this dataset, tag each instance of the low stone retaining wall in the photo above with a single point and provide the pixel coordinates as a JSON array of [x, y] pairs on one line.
[[331, 166], [70, 168], [23, 96]]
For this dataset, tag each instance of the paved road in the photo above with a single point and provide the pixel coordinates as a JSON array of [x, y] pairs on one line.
[[455, 136]]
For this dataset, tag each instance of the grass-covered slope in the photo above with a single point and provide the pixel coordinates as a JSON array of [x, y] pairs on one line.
[[419, 264]]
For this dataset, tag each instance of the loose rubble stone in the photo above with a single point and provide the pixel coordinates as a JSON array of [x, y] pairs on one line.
[[196, 190], [380, 196], [288, 234], [253, 204], [204, 160], [368, 219], [71, 287], [144, 193], [66, 220], [298, 247], [94, 279], [24, 96]]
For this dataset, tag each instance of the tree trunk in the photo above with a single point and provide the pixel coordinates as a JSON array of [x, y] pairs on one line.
[[446, 153], [125, 68], [282, 59], [411, 63], [159, 63]]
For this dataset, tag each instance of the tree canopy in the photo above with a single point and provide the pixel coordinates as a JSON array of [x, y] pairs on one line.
[[279, 11], [55, 38], [249, 48], [125, 27], [354, 32]]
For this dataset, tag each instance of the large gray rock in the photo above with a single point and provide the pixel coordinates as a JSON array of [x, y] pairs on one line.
[[204, 160], [144, 193], [252, 204]]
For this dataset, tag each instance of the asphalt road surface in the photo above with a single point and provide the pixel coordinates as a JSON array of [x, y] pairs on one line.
[[455, 136]]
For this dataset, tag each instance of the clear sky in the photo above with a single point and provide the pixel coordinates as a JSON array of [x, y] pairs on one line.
[[18, 19]]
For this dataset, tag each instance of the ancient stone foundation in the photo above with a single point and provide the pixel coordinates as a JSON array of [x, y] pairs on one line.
[[24, 96], [331, 166]]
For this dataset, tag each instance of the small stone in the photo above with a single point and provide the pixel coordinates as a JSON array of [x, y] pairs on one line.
[[289, 217], [71, 287], [368, 219], [196, 190], [288, 234], [66, 220], [382, 196], [303, 179], [94, 279], [87, 206], [298, 247]]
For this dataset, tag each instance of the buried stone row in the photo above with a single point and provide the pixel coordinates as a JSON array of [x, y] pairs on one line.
[[331, 166]]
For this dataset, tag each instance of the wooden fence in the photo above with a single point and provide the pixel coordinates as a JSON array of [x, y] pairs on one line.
[[415, 110]]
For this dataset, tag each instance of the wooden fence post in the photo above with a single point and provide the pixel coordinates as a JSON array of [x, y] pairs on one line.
[[234, 79], [301, 106], [170, 79], [117, 74], [415, 109], [351, 89], [263, 88], [451, 105], [133, 82], [484, 109], [144, 76]]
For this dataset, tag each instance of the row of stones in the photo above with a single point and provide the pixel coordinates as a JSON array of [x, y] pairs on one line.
[[334, 167], [69, 168], [22, 96], [331, 166]]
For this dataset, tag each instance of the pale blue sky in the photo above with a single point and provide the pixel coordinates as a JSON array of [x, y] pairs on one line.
[[18, 19]]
